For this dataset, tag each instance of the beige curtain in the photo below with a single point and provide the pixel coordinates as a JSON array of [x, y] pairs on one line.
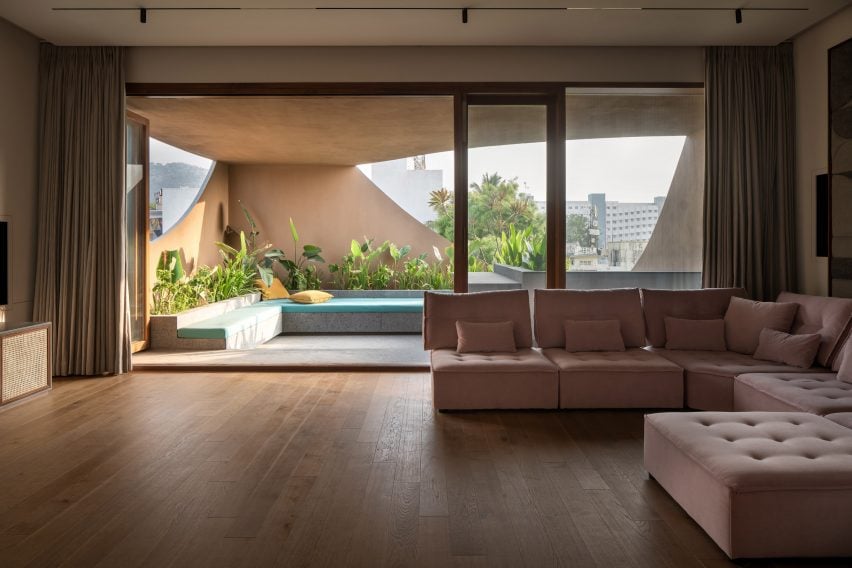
[[749, 223], [80, 274]]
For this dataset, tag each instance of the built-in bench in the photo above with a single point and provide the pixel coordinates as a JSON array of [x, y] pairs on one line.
[[251, 325]]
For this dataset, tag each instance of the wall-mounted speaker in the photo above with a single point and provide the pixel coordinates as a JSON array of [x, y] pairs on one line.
[[822, 213]]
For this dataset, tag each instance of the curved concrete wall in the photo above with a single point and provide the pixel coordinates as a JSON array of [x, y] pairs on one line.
[[331, 205], [199, 230]]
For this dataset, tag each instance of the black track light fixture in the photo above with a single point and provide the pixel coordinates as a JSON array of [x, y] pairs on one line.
[[464, 15], [143, 15], [738, 15]]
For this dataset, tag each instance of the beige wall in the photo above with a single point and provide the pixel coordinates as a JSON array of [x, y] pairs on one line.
[[413, 64], [330, 205], [198, 232], [18, 161], [811, 54]]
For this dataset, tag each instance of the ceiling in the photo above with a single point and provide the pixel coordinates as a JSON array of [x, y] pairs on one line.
[[299, 22], [361, 130]]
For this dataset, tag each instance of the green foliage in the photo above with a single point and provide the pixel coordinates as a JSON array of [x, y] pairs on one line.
[[300, 273], [366, 268], [522, 249], [495, 205], [174, 292], [577, 230]]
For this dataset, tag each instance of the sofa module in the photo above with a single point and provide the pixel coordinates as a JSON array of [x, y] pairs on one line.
[[599, 377], [761, 484], [522, 378]]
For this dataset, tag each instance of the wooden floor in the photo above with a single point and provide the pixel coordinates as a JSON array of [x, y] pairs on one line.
[[332, 469]]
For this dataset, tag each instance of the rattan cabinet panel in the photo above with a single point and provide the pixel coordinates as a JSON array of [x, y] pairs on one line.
[[24, 360]]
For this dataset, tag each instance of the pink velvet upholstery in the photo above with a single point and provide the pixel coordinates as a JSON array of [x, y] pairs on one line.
[[817, 393], [463, 381], [442, 311], [745, 319], [590, 335], [486, 337], [760, 484], [842, 362], [711, 303], [709, 375], [842, 418], [695, 334], [797, 350], [553, 307], [817, 314], [635, 378]]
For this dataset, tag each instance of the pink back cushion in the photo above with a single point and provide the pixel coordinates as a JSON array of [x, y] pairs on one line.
[[442, 311], [490, 337], [745, 319], [593, 335], [844, 362], [695, 334], [554, 307], [796, 350], [710, 303], [828, 317]]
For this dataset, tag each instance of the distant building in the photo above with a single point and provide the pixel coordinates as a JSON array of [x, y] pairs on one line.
[[409, 187], [169, 206]]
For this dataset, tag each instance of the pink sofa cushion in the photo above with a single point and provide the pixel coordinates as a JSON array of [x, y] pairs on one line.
[[796, 350], [828, 317], [695, 334], [814, 392], [486, 337], [553, 307], [842, 418], [522, 361], [723, 363], [591, 335], [710, 303], [745, 319], [442, 311]]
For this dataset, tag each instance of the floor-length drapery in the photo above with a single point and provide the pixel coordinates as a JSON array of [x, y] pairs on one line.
[[80, 266], [749, 223]]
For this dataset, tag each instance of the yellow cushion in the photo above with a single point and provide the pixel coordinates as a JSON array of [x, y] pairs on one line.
[[311, 297], [276, 291]]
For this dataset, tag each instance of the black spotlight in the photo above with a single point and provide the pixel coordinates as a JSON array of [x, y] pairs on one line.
[[143, 15], [464, 15], [738, 15]]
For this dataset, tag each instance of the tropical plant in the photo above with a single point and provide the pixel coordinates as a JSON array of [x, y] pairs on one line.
[[521, 249], [237, 272], [302, 273]]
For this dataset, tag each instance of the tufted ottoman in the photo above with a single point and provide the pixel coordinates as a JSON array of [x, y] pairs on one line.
[[761, 484], [467, 381]]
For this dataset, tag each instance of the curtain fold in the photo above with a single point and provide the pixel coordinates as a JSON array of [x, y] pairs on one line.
[[80, 268], [749, 197]]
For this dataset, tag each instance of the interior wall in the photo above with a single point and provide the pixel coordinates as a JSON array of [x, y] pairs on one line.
[[18, 162], [413, 64], [200, 229], [330, 205], [811, 60]]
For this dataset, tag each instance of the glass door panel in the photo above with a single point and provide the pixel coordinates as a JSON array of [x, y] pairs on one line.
[[507, 196], [136, 186]]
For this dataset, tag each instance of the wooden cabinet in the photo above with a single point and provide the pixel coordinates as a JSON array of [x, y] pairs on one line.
[[24, 360]]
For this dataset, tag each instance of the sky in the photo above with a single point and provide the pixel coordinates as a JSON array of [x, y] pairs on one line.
[[626, 169], [162, 153]]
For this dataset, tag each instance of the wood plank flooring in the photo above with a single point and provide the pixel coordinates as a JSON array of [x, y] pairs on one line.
[[326, 469]]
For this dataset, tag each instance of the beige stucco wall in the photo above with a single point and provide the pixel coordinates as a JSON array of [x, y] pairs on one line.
[[413, 64], [19, 162], [197, 233], [811, 56], [330, 205]]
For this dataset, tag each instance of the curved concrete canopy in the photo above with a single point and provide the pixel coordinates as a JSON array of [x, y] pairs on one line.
[[360, 130]]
